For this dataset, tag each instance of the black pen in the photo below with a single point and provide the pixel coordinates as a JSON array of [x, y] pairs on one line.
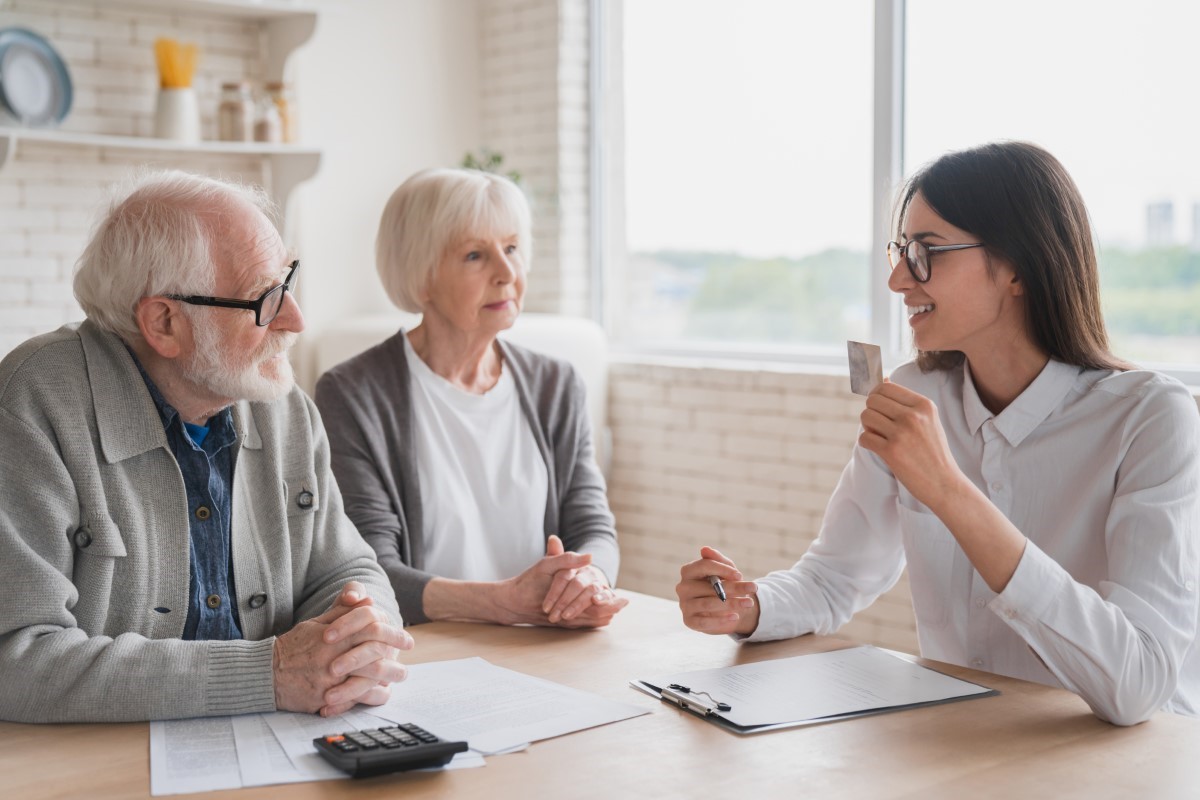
[[717, 587]]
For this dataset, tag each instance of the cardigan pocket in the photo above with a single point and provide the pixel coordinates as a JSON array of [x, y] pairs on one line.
[[99, 536], [97, 546]]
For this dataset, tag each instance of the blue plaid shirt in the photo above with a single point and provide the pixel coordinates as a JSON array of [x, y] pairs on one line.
[[205, 456]]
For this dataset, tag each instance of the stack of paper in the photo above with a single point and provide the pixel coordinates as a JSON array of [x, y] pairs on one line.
[[495, 710]]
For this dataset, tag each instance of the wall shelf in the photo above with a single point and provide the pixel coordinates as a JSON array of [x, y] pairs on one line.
[[9, 136], [253, 9]]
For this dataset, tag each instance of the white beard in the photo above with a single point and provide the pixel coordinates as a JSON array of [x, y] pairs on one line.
[[211, 368]]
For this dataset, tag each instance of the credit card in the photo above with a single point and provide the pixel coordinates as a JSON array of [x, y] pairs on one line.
[[866, 367]]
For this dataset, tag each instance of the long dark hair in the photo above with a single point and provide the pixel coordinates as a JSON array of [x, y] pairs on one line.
[[1020, 201]]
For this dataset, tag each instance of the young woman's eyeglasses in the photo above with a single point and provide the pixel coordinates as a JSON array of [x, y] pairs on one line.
[[266, 308], [917, 255]]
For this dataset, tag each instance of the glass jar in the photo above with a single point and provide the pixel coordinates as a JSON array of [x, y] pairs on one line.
[[268, 126], [235, 114], [281, 96]]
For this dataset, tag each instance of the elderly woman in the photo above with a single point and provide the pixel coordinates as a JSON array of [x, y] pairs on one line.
[[466, 461]]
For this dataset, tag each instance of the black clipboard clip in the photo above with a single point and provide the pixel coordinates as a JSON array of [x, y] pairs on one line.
[[689, 700]]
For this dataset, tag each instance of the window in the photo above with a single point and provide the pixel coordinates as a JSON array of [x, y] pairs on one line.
[[740, 209], [746, 174]]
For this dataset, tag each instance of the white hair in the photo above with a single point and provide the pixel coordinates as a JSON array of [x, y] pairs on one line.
[[156, 237], [433, 211]]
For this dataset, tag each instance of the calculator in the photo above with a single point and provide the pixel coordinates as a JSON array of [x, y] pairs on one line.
[[378, 751]]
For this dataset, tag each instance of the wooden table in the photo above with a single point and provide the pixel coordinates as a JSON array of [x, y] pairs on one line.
[[1030, 742]]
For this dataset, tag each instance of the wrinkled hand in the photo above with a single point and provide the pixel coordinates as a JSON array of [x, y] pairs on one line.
[[903, 428], [348, 655], [702, 610], [521, 599], [579, 597]]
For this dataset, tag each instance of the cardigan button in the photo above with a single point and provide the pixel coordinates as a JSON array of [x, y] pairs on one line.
[[83, 537], [258, 600], [305, 500]]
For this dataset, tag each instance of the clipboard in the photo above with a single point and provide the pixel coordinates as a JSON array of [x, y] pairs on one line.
[[699, 692]]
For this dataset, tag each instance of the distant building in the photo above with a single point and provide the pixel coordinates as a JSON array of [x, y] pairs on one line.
[[1160, 224]]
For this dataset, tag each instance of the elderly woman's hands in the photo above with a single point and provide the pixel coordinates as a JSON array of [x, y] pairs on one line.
[[561, 589], [579, 597]]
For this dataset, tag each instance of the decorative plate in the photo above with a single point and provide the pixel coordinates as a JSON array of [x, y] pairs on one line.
[[35, 88]]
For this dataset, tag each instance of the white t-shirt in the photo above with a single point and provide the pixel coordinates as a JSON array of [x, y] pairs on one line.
[[1099, 470], [483, 480]]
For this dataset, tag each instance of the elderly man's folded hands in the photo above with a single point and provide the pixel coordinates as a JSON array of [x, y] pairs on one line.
[[346, 656]]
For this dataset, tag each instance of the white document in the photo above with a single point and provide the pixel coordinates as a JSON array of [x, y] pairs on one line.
[[262, 759], [193, 755], [295, 732], [267, 758], [817, 687], [495, 709]]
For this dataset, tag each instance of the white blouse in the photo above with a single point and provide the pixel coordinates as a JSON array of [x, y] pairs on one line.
[[483, 480], [1100, 471]]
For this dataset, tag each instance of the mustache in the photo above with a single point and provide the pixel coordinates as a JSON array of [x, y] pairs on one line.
[[278, 343]]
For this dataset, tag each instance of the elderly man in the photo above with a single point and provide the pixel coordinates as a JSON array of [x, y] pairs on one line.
[[172, 543]]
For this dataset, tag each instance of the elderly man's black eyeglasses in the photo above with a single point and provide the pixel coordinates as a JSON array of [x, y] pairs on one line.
[[266, 308], [917, 255]]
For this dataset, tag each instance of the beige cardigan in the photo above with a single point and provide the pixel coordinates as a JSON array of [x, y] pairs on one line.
[[94, 542]]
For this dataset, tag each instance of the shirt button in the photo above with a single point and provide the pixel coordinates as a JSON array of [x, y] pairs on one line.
[[203, 513], [1012, 613], [83, 537], [213, 601], [980, 603], [977, 662], [1191, 586], [305, 500], [997, 486], [257, 600]]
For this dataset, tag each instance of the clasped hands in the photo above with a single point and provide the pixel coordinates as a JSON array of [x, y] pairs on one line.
[[348, 655], [562, 589]]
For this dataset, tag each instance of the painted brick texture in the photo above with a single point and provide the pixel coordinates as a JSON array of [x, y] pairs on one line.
[[534, 110]]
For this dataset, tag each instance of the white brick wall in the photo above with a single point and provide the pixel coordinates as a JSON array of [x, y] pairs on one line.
[[534, 86], [50, 193], [741, 459]]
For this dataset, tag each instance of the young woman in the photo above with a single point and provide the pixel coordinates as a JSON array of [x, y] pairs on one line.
[[1044, 494]]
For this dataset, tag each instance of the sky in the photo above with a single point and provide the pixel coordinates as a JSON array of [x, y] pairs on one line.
[[748, 124]]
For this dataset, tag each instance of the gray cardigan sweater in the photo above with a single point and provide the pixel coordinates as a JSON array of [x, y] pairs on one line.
[[366, 403], [94, 542]]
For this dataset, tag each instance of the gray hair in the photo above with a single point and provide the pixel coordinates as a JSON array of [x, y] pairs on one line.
[[434, 210], [156, 237]]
